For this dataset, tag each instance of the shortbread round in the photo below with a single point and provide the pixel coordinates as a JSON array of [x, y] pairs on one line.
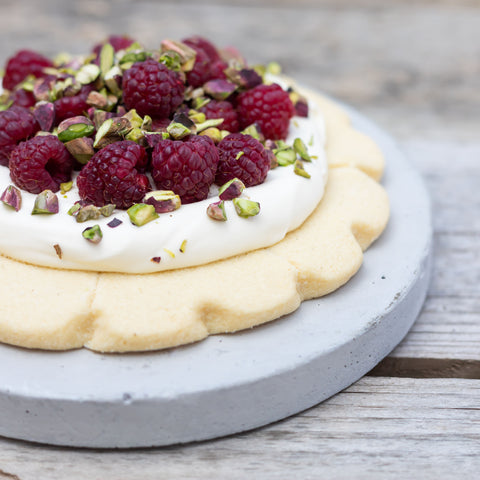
[[53, 309]]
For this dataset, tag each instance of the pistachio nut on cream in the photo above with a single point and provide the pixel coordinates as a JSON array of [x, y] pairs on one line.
[[182, 238]]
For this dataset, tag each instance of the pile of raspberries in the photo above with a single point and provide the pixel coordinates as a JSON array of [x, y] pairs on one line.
[[130, 120]]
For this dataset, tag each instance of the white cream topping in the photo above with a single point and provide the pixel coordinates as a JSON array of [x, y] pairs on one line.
[[286, 200]]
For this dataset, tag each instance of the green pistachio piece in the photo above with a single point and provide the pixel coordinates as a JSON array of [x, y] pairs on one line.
[[76, 131], [135, 135], [200, 102], [212, 122], [183, 246], [214, 133], [65, 187], [232, 189], [107, 210], [252, 130], [163, 201], [177, 130], [93, 234], [87, 74], [12, 197], [196, 117], [141, 213], [300, 170], [107, 57], [246, 208], [112, 80], [147, 123], [285, 157], [46, 202], [134, 118], [90, 212], [216, 211], [274, 68], [301, 149], [73, 210]]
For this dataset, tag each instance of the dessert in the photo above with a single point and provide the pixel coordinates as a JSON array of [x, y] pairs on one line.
[[237, 266]]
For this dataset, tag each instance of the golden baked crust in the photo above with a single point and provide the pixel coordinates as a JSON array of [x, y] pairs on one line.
[[60, 309]]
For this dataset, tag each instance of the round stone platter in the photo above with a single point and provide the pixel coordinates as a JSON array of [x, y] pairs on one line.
[[232, 383]]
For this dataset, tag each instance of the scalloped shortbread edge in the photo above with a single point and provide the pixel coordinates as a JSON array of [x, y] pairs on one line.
[[60, 309]]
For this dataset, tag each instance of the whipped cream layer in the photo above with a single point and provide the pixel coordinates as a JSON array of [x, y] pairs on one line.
[[285, 198]]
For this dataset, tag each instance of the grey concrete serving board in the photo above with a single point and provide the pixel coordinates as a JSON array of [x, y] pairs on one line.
[[232, 383]]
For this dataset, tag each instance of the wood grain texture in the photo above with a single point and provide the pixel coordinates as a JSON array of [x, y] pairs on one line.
[[378, 428]]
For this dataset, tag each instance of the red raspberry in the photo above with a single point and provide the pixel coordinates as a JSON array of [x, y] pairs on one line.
[[111, 176], [199, 42], [269, 106], [67, 107], [152, 89], [243, 157], [200, 72], [118, 42], [41, 163], [222, 109], [188, 167], [16, 124], [23, 63], [22, 98]]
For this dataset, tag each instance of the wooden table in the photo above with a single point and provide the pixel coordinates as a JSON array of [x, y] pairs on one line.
[[415, 69]]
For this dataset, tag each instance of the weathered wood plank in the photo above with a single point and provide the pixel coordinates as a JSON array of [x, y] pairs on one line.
[[378, 428]]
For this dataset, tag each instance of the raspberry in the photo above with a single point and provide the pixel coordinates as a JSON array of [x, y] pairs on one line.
[[202, 43], [242, 157], [188, 167], [67, 107], [269, 106], [16, 124], [118, 42], [22, 98], [23, 63], [200, 72], [222, 109], [152, 89], [41, 163], [111, 176]]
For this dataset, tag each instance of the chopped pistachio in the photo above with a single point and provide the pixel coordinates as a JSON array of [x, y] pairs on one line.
[[98, 100], [134, 118], [169, 252], [163, 201], [65, 187], [216, 211], [113, 80], [81, 149], [147, 123], [186, 53], [93, 234], [219, 89], [156, 259], [301, 149], [211, 122], [183, 246], [239, 154], [46, 202], [232, 189], [300, 170], [142, 213], [107, 57], [107, 210], [12, 197], [253, 131], [111, 131], [73, 210], [196, 117], [246, 208], [58, 250], [178, 130], [214, 133], [136, 135], [87, 74], [200, 102], [89, 212], [274, 68], [285, 157], [76, 131], [244, 77]]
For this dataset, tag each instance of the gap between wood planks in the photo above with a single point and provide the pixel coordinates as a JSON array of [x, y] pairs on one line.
[[426, 368]]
